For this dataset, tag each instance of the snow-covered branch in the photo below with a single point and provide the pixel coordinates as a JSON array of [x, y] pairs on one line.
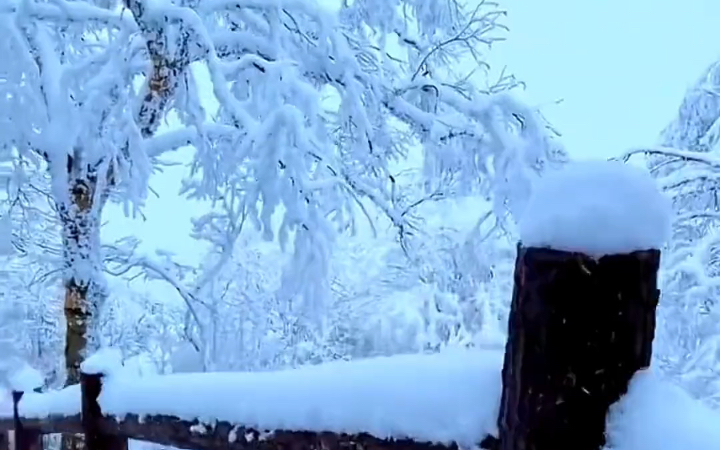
[[687, 166], [678, 154], [299, 118], [63, 12]]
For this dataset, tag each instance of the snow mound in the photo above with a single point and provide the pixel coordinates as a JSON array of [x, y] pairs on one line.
[[658, 415], [26, 379], [452, 396], [106, 361], [64, 402], [597, 208]]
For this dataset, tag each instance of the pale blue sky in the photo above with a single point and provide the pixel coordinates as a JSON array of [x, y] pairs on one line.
[[620, 66]]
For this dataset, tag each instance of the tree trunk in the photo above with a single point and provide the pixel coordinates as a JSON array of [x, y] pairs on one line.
[[83, 277], [81, 212], [579, 329]]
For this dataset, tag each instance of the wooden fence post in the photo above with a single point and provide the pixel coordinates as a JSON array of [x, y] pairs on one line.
[[578, 331], [95, 437], [25, 439]]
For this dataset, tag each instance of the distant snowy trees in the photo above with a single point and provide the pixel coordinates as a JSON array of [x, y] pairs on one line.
[[30, 257], [687, 166]]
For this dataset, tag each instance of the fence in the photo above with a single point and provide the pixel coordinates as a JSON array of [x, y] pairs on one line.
[[108, 432], [566, 362], [579, 329]]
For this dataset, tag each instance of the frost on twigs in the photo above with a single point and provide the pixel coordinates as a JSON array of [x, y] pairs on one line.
[[597, 208], [106, 361]]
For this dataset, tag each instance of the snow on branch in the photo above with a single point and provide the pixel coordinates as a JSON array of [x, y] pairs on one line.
[[122, 258], [63, 11], [686, 166], [301, 112], [682, 155]]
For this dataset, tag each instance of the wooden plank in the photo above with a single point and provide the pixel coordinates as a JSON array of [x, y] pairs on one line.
[[194, 435], [25, 438], [172, 431], [47, 425]]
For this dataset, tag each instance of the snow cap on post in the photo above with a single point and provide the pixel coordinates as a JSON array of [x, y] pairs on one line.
[[598, 208], [106, 361]]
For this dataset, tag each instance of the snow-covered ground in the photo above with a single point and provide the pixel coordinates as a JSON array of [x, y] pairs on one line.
[[442, 397], [658, 415]]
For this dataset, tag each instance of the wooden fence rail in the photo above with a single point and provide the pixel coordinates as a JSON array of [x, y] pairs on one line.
[[108, 432]]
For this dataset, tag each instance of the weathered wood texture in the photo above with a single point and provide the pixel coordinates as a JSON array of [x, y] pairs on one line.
[[26, 438], [96, 438], [172, 431], [108, 432], [579, 329], [46, 425]]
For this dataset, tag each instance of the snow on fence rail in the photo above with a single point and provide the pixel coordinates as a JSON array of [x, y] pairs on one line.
[[444, 400]]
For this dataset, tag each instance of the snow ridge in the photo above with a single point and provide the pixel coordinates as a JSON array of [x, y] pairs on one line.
[[452, 396]]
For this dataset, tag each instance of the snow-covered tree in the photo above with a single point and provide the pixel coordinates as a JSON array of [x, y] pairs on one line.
[[30, 327], [448, 285], [313, 107], [687, 166]]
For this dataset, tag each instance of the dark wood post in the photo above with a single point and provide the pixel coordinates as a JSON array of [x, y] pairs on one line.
[[95, 437], [579, 329], [25, 438]]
